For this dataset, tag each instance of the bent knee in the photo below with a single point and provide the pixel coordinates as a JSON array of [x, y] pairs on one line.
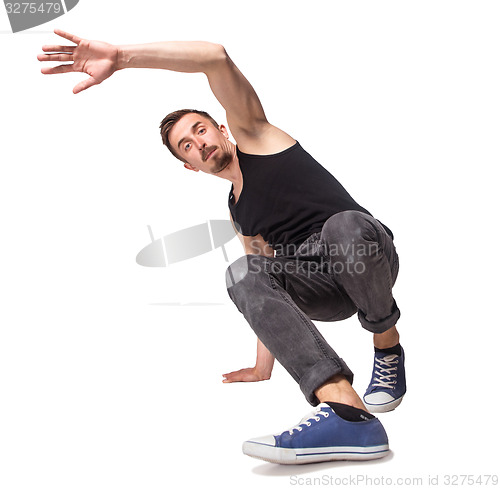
[[348, 225], [244, 267]]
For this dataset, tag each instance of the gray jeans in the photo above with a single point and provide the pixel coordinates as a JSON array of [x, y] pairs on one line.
[[349, 267]]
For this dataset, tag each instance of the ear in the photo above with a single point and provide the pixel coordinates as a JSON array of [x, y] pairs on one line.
[[223, 130], [190, 167]]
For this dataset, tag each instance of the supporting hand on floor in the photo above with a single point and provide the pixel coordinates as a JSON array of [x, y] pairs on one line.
[[261, 371], [245, 375]]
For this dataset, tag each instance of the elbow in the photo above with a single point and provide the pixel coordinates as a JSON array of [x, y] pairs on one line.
[[219, 53], [215, 56]]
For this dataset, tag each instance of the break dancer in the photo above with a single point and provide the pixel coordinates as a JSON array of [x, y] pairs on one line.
[[312, 252]]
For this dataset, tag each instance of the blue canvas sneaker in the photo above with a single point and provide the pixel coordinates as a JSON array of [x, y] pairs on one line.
[[388, 384], [322, 436]]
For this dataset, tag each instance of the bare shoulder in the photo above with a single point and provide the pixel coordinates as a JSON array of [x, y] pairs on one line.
[[267, 140]]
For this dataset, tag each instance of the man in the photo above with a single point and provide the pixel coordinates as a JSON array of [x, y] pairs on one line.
[[313, 253]]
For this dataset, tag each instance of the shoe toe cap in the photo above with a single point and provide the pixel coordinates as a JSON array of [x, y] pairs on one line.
[[268, 440], [378, 398]]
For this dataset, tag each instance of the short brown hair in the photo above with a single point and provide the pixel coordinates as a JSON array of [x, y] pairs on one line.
[[171, 119]]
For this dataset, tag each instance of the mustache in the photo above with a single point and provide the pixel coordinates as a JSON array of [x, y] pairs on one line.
[[206, 151]]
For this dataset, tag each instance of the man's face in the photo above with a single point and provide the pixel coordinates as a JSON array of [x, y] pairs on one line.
[[203, 146]]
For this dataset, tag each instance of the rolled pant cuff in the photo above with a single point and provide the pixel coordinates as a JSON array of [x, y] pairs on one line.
[[382, 325], [318, 374]]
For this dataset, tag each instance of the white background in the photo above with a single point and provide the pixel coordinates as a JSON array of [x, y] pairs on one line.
[[103, 381]]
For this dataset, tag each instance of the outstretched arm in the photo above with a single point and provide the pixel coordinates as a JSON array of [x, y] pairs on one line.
[[230, 87], [244, 111]]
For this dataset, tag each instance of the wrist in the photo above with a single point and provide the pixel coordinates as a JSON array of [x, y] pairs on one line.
[[262, 374], [123, 58]]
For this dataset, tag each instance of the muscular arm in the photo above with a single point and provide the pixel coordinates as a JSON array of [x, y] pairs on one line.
[[244, 112], [245, 115], [228, 84]]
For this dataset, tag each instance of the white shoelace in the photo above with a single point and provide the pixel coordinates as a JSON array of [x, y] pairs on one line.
[[385, 371], [311, 416]]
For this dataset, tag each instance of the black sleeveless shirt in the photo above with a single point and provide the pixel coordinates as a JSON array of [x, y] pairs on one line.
[[286, 197]]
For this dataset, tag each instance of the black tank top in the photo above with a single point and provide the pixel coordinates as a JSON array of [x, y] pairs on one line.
[[286, 197]]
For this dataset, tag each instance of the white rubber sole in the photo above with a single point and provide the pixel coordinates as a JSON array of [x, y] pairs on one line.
[[383, 408], [296, 456]]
